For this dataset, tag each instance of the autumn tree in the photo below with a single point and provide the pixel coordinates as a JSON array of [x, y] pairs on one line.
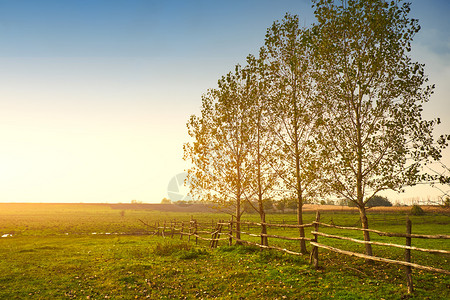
[[371, 95], [219, 151], [262, 145], [289, 60]]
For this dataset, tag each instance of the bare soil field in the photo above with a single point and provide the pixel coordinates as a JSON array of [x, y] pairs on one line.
[[379, 209], [191, 208]]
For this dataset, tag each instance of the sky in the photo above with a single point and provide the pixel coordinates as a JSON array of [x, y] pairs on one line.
[[95, 95]]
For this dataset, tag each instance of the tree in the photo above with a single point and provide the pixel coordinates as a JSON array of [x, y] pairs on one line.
[[268, 204], [262, 145], [219, 152], [292, 203], [378, 201], [371, 95], [281, 205], [289, 59], [250, 207], [166, 201]]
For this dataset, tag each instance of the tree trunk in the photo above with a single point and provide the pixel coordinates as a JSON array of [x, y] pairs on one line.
[[359, 182], [238, 220], [299, 196], [262, 215], [298, 183], [365, 225], [300, 222]]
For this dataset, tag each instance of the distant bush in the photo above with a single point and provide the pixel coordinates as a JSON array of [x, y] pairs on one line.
[[445, 203], [416, 210], [351, 203], [183, 203], [166, 201], [378, 201], [268, 204], [281, 205], [373, 202]]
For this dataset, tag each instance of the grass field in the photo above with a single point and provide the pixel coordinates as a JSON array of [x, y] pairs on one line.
[[89, 251]]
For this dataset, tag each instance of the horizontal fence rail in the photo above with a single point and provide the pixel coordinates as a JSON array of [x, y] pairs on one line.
[[389, 234], [221, 230], [380, 244], [381, 259], [407, 247]]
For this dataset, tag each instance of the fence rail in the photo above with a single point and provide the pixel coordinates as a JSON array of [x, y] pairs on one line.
[[408, 240], [381, 259], [224, 230], [435, 251], [389, 234]]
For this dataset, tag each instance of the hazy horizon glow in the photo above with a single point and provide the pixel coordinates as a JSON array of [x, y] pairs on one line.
[[95, 95]]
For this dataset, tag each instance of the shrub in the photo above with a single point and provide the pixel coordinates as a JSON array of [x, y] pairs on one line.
[[445, 203], [416, 210], [378, 201], [351, 204]]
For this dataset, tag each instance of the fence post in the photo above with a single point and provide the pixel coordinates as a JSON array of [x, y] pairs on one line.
[[315, 250], [230, 240], [172, 226], [182, 228], [195, 232], [164, 230], [190, 230], [408, 269], [219, 230], [211, 243], [158, 230], [215, 235]]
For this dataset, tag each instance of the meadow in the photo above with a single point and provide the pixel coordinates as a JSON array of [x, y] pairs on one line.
[[96, 251]]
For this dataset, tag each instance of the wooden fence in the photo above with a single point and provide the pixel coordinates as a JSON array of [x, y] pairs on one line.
[[408, 241], [217, 231], [192, 230]]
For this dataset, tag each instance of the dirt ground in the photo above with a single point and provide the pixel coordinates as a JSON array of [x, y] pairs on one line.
[[307, 208], [387, 209]]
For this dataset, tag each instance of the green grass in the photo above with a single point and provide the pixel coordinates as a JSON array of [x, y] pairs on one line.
[[41, 262]]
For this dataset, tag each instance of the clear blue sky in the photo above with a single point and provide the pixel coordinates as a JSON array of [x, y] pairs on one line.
[[95, 94]]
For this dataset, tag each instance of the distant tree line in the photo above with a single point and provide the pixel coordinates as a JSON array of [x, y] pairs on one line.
[[334, 109]]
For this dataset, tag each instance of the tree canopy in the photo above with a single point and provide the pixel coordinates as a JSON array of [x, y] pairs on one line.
[[331, 109]]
